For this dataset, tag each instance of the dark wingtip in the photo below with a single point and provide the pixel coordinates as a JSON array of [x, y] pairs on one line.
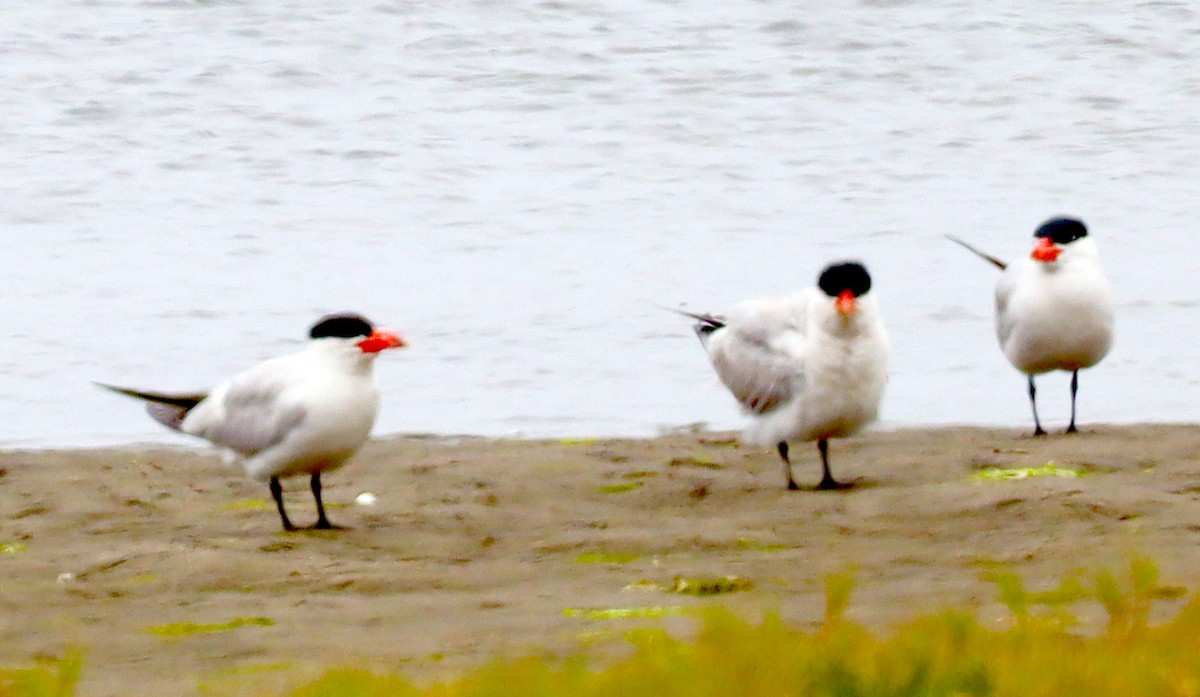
[[986, 257], [705, 324], [119, 390], [167, 409]]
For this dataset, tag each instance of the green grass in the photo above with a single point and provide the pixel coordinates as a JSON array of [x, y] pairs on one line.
[[945, 654], [1039, 651], [55, 678]]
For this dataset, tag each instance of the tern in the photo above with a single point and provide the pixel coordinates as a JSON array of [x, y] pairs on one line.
[[1054, 308], [303, 413], [805, 367]]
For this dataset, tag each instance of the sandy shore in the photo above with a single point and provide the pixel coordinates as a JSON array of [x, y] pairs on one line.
[[476, 547]]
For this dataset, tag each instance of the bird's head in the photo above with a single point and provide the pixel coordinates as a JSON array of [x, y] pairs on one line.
[[1053, 238], [357, 331], [845, 283]]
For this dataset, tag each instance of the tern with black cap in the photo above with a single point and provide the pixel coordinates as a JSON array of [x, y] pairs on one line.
[[1054, 308], [303, 413], [807, 367]]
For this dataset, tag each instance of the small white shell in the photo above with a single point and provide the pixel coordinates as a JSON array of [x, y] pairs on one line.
[[366, 498]]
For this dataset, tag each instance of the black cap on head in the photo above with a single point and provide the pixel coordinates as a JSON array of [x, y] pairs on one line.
[[342, 325], [1062, 230], [848, 275]]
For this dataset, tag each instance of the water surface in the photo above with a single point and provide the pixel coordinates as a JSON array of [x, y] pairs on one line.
[[516, 187]]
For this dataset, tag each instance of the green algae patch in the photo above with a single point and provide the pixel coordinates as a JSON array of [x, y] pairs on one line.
[[1002, 474], [700, 586], [13, 547], [639, 474], [620, 488], [702, 462], [716, 585], [624, 613], [756, 546], [643, 585], [578, 441], [721, 442], [248, 505], [182, 629], [607, 558]]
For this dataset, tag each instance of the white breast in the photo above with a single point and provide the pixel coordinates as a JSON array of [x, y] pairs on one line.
[[1056, 316]]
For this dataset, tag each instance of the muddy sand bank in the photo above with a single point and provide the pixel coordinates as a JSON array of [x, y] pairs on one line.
[[478, 547]]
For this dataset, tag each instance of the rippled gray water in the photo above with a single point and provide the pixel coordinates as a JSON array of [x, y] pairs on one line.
[[515, 186]]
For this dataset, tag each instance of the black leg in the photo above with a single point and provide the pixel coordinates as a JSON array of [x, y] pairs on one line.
[[1074, 389], [322, 522], [787, 466], [827, 480], [277, 493], [1037, 425]]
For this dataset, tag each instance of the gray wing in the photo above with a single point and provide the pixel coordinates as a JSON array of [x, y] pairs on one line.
[[251, 413], [759, 354], [1005, 322]]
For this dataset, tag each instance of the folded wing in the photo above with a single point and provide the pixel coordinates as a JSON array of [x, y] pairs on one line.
[[251, 413], [1005, 322], [759, 353]]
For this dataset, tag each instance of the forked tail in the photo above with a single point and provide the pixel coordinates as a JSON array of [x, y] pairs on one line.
[[986, 257], [705, 324], [167, 409]]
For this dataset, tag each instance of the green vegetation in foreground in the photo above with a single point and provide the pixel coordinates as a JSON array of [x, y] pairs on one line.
[[49, 679], [946, 654]]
